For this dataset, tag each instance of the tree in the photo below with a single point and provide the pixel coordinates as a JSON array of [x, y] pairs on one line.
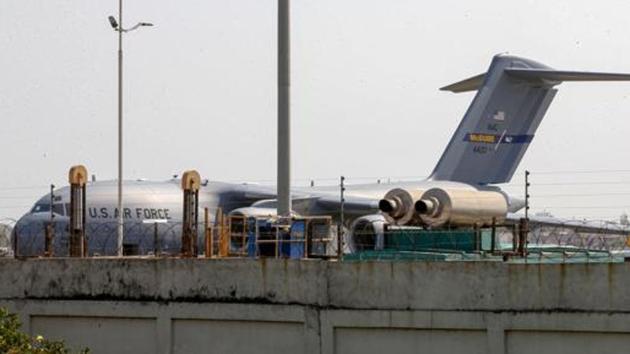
[[13, 341]]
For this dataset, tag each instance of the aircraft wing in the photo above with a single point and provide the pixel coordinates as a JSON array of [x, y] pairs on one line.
[[581, 226], [352, 206], [327, 205]]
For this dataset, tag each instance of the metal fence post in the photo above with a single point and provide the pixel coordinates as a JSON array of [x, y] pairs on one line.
[[78, 179], [190, 184]]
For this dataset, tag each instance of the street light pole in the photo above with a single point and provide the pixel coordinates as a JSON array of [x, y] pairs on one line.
[[119, 244], [118, 26]]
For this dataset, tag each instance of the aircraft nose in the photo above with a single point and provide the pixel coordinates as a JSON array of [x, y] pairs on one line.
[[13, 236], [25, 235], [24, 220]]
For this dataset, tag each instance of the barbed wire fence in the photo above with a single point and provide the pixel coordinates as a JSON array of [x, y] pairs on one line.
[[592, 194], [165, 240], [101, 238], [585, 194]]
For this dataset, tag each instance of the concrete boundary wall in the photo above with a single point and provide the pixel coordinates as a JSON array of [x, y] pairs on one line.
[[276, 306]]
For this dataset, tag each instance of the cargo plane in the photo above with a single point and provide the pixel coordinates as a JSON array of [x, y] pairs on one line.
[[511, 99]]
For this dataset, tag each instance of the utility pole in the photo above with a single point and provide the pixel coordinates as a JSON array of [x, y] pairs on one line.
[[284, 112]]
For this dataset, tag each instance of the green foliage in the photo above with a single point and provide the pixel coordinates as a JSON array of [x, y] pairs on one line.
[[13, 341]]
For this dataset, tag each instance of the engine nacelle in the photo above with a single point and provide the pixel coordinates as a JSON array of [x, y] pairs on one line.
[[398, 206], [461, 207], [258, 212], [366, 233]]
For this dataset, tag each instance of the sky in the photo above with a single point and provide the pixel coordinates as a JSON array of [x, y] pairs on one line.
[[200, 92]]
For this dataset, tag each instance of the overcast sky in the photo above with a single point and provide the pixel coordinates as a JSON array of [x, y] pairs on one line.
[[200, 91]]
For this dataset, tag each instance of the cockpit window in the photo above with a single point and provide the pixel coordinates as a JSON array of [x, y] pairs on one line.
[[40, 208], [58, 209]]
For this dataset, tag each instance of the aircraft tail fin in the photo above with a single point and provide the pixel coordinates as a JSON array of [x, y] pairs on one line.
[[500, 123]]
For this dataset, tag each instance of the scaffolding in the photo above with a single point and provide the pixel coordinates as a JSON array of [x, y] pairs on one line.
[[255, 237]]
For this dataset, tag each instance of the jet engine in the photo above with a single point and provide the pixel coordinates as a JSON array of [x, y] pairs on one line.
[[366, 233], [460, 207], [254, 211], [239, 224], [398, 206]]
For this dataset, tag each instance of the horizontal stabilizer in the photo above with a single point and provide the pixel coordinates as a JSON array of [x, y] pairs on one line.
[[561, 75], [537, 75], [470, 84], [511, 100]]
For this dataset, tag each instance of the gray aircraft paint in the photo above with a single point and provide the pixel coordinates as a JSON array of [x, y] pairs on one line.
[[514, 94], [511, 101]]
